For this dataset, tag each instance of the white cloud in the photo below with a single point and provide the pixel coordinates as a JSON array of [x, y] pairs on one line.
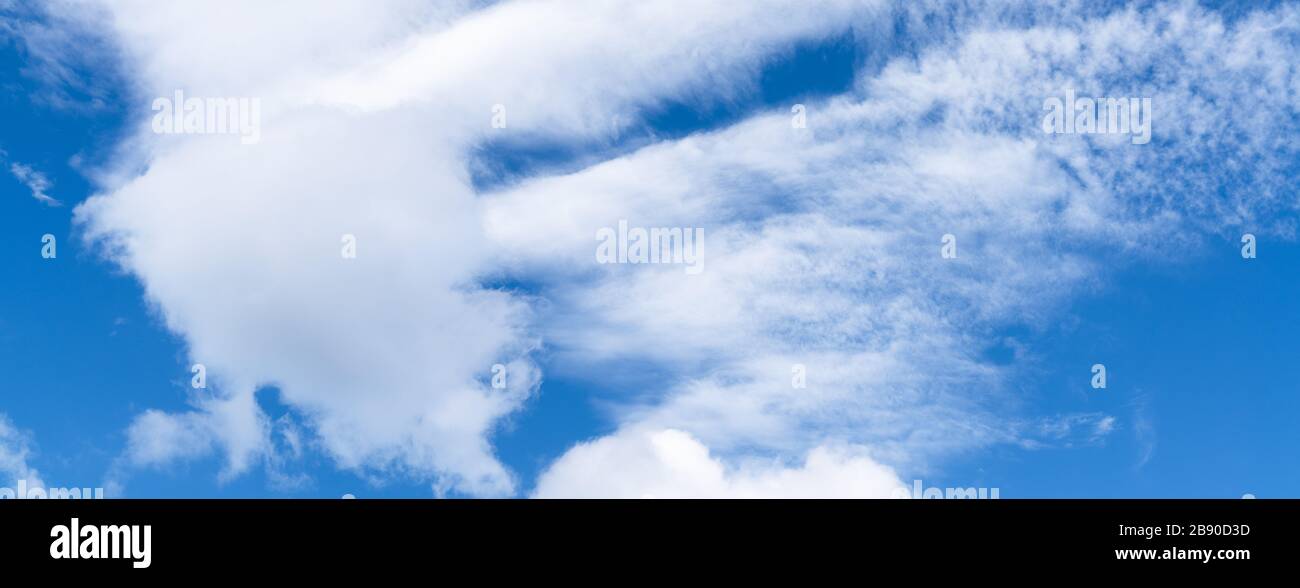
[[15, 452], [668, 463], [1073, 430], [822, 244], [35, 181], [76, 80], [570, 67], [385, 356], [841, 271]]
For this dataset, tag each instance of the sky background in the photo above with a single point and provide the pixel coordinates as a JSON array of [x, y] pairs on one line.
[[823, 248]]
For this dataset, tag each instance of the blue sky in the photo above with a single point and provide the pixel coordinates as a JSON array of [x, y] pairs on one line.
[[823, 248]]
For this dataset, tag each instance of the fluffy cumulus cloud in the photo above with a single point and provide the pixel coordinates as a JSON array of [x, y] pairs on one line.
[[672, 464], [821, 251]]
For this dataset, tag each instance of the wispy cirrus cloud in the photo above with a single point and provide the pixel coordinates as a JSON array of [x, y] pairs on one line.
[[15, 453], [35, 181], [843, 275]]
